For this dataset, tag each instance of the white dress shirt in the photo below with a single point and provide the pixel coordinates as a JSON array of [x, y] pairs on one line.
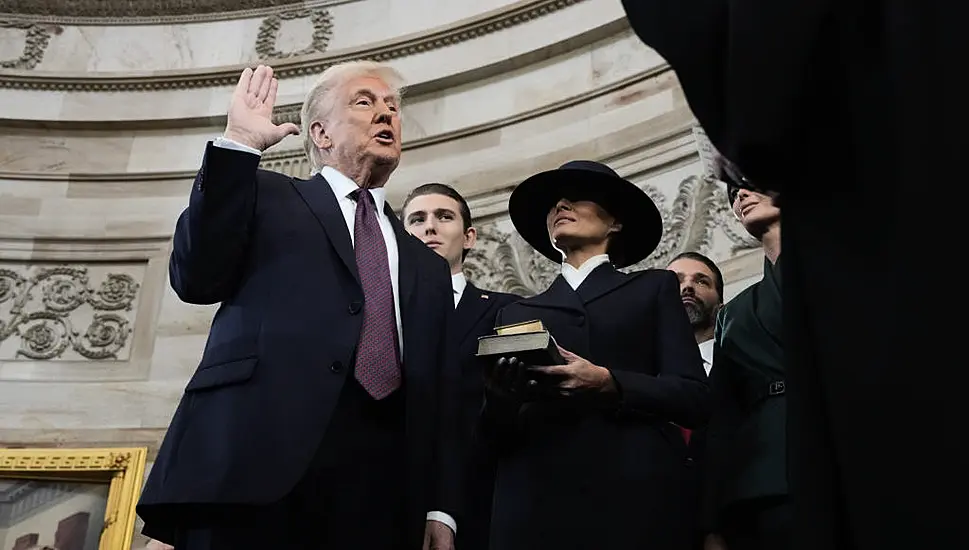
[[342, 187], [706, 352], [575, 276], [458, 283]]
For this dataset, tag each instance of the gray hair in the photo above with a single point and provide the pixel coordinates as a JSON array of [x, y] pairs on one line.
[[320, 100]]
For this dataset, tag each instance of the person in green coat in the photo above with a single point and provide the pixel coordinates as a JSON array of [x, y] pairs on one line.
[[745, 497]]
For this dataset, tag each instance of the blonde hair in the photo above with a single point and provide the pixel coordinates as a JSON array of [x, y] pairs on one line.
[[320, 99]]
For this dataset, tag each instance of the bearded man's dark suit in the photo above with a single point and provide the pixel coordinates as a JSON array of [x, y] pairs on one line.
[[254, 419], [474, 317], [830, 103]]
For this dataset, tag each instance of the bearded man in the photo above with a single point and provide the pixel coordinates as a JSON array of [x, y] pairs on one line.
[[701, 290]]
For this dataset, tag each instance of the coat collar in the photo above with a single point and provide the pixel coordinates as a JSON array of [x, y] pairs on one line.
[[603, 280]]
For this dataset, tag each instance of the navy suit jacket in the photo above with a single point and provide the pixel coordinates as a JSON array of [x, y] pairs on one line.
[[277, 254]]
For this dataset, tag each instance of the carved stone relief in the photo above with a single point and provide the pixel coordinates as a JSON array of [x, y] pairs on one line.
[[133, 8], [268, 35], [61, 312], [297, 166], [503, 261], [35, 44], [425, 42]]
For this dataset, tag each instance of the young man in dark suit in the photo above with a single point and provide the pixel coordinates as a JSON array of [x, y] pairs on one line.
[[321, 414], [438, 215]]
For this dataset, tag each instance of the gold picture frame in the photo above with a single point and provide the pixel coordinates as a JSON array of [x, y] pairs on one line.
[[97, 489]]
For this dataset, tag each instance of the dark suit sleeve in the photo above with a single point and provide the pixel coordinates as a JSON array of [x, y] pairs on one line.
[[678, 393], [451, 459], [212, 234], [724, 417]]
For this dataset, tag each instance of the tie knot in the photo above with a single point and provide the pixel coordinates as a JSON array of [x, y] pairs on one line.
[[356, 195]]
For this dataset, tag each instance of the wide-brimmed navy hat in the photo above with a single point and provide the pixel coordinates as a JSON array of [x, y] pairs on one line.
[[531, 201]]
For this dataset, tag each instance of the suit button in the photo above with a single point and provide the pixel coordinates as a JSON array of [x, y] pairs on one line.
[[354, 307], [336, 366]]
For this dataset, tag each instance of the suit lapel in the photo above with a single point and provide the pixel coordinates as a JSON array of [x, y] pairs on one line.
[[470, 309], [603, 280], [406, 260], [319, 197], [559, 296]]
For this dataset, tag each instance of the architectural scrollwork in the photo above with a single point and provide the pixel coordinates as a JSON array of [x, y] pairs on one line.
[[503, 261], [269, 33], [133, 8], [35, 44], [41, 309]]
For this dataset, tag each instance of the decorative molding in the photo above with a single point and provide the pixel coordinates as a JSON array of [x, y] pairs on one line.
[[63, 459], [269, 33], [35, 44], [134, 8], [290, 112], [142, 12], [293, 162], [57, 438], [442, 37], [43, 303]]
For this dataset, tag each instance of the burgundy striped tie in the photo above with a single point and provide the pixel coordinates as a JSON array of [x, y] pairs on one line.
[[377, 366]]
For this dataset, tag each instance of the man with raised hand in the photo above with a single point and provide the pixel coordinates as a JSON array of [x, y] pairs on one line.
[[322, 412]]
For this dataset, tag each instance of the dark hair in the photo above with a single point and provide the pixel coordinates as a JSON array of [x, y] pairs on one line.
[[696, 256], [441, 189]]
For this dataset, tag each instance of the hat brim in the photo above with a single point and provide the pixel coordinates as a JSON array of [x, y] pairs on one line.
[[642, 224]]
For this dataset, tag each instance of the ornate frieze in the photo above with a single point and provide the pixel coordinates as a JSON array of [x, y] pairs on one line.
[[299, 66], [503, 261], [268, 37], [35, 44], [134, 8], [63, 312], [149, 12]]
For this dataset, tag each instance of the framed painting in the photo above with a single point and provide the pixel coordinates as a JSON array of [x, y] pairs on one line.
[[69, 499]]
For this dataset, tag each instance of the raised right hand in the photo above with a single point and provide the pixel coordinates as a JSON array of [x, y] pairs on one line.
[[249, 120]]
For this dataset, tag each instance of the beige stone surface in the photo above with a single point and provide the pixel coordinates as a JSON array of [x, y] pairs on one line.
[[160, 47], [507, 41], [91, 184]]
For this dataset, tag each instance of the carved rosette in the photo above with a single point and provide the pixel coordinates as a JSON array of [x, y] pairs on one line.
[[269, 33], [35, 44], [43, 305], [503, 261]]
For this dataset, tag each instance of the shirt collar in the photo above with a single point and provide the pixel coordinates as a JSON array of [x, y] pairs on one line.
[[706, 353], [459, 282], [575, 276], [342, 186]]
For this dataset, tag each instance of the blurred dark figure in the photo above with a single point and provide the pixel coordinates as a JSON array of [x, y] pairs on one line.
[[840, 107]]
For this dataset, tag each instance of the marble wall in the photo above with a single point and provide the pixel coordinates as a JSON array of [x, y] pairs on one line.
[[102, 133], [302, 29]]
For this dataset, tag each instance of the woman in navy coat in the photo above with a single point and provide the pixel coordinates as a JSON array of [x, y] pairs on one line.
[[591, 455]]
